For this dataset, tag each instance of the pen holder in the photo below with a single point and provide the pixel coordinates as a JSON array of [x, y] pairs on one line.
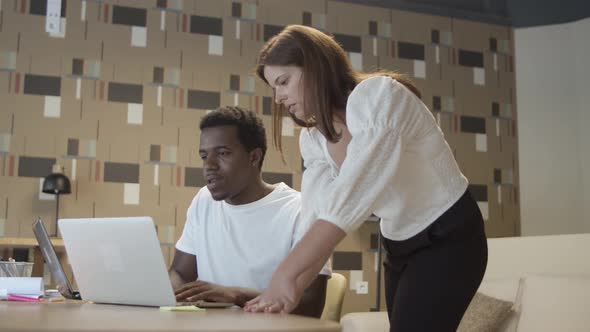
[[16, 269]]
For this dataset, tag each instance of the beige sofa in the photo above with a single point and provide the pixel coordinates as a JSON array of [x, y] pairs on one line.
[[546, 277]]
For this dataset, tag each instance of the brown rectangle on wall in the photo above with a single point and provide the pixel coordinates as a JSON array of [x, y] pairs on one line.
[[273, 178], [126, 93], [158, 75], [347, 260], [73, 144], [78, 67], [234, 82], [34, 166], [154, 152], [121, 172]]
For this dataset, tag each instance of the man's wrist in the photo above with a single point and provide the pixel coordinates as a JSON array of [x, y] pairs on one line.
[[238, 297], [242, 295]]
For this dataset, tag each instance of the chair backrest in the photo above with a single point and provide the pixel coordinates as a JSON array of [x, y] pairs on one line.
[[334, 297]]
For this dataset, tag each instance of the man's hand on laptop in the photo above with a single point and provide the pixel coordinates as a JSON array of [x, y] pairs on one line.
[[201, 290]]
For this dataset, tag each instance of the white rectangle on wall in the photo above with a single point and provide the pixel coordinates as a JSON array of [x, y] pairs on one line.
[[83, 10], [419, 69], [355, 276], [374, 46], [448, 103], [166, 234], [74, 168], [52, 107], [479, 76], [43, 196], [53, 16], [159, 97], [318, 21], [156, 175], [5, 142], [437, 54], [485, 211], [356, 59], [134, 113], [62, 30], [215, 45], [495, 62], [91, 148], [288, 127], [249, 84], [138, 36], [131, 193], [78, 88], [238, 29], [481, 142], [162, 21]]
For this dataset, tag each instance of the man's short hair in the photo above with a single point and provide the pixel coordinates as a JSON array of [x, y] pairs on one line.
[[251, 132]]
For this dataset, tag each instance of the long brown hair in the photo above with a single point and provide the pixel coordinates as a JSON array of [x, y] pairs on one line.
[[328, 77]]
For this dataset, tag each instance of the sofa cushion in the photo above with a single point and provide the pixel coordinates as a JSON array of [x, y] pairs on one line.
[[507, 289], [365, 321], [555, 303], [485, 313]]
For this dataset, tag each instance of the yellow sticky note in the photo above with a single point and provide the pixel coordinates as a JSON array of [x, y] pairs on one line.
[[182, 308]]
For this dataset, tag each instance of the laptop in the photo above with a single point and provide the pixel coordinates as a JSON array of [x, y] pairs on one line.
[[117, 260], [50, 257]]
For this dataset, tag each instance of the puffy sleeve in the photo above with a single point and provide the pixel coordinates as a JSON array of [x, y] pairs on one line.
[[318, 174], [381, 115]]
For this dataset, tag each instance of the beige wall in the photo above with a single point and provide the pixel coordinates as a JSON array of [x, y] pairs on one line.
[[551, 78]]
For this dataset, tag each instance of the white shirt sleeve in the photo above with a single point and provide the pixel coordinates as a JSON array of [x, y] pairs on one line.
[[381, 116], [186, 243]]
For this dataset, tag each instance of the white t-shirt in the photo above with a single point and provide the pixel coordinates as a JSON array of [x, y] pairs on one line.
[[242, 245], [398, 165]]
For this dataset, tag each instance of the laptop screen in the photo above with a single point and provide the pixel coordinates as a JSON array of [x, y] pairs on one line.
[[57, 272]]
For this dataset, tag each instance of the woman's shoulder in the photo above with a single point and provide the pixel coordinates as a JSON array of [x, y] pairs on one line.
[[373, 102], [366, 92], [374, 84]]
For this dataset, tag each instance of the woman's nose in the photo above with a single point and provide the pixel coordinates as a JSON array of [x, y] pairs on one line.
[[279, 98]]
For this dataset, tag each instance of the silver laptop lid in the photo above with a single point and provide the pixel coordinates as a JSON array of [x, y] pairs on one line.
[[50, 257], [117, 260]]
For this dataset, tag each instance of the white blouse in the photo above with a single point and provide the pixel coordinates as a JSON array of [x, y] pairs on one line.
[[398, 165]]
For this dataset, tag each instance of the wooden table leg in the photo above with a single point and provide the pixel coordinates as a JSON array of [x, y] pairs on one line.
[[38, 262]]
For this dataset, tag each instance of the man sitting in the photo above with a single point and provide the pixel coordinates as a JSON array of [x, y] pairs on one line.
[[238, 228]]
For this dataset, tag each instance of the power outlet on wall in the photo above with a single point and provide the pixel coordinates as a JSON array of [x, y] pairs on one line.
[[362, 287]]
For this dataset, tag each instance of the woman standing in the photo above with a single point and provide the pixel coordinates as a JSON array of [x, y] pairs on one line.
[[371, 146]]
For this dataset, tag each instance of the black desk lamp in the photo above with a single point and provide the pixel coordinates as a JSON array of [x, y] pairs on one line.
[[57, 184]]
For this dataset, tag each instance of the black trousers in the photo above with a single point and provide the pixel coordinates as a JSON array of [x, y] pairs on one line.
[[431, 277]]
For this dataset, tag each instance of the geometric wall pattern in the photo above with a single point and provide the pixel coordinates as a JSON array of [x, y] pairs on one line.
[[115, 97]]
